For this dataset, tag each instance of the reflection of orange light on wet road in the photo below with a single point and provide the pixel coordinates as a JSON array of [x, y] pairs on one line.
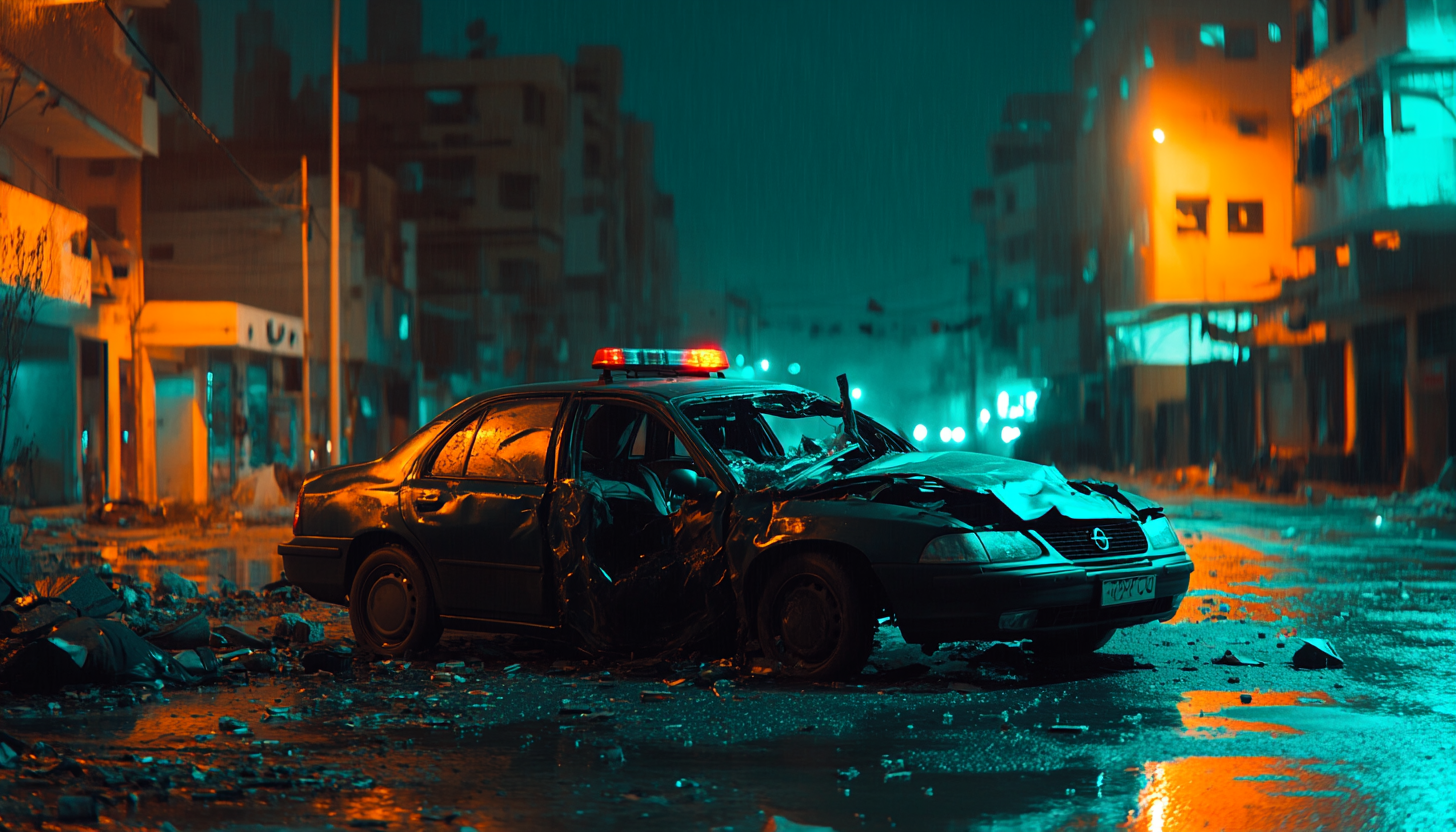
[[1228, 567], [1199, 711], [1244, 793]]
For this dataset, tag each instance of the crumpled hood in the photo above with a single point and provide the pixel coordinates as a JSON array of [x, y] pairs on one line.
[[1027, 489]]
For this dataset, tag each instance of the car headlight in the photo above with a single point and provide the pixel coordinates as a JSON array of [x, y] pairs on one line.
[[1009, 546], [954, 548], [1160, 533]]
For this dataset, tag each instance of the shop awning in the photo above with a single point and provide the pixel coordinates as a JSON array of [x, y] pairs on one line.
[[215, 323]]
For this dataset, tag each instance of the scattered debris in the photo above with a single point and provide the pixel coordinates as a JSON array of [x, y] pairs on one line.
[[1067, 729], [1233, 659], [1317, 654], [295, 628], [177, 586]]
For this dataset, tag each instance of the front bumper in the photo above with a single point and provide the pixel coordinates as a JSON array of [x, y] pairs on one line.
[[934, 603]]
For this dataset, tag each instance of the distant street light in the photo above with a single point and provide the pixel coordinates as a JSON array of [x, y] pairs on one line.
[[763, 365], [958, 435], [1158, 135], [920, 433], [945, 434], [855, 393], [794, 368]]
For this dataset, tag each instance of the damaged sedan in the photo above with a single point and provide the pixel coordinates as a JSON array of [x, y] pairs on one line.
[[665, 506]]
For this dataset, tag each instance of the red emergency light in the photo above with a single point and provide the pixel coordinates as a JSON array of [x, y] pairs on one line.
[[706, 360]]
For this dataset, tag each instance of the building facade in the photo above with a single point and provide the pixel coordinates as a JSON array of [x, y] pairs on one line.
[[1184, 222], [1374, 173], [82, 116]]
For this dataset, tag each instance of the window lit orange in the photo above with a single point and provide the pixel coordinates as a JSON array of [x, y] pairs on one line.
[[1388, 240], [1342, 256]]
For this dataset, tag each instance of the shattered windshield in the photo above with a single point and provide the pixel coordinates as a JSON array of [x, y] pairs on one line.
[[786, 438]]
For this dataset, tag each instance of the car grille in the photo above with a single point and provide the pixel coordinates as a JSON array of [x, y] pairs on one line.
[[1124, 538]]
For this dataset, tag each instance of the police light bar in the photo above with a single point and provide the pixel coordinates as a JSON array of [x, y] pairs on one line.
[[699, 360]]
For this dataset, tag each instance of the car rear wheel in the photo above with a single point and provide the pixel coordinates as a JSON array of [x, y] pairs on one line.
[[814, 619], [391, 607], [1074, 643]]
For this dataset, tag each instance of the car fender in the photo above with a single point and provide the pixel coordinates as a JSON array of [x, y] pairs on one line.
[[879, 532]]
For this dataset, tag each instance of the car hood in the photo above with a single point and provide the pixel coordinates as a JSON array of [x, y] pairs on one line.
[[1027, 489]]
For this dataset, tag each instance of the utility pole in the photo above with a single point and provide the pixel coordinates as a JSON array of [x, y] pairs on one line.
[[335, 433], [306, 461]]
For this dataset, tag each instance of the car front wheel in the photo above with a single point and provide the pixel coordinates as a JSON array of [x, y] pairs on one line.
[[391, 607], [814, 619]]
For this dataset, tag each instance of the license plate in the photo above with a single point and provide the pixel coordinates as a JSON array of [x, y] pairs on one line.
[[1128, 590]]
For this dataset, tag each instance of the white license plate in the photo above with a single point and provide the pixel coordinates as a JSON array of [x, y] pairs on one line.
[[1128, 590]]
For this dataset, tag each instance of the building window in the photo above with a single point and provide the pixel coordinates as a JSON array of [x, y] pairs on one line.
[[162, 251], [1192, 214], [1211, 34], [447, 106], [1241, 43], [101, 167], [533, 104], [518, 191], [591, 159], [1008, 201], [1344, 19], [1319, 27], [1246, 217], [1253, 125]]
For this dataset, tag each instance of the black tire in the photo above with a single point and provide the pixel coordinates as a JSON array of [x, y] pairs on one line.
[[814, 619], [391, 606], [1071, 643]]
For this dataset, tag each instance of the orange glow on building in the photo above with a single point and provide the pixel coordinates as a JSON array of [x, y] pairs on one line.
[[1387, 240]]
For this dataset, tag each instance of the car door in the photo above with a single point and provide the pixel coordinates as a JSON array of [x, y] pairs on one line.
[[638, 564], [475, 505]]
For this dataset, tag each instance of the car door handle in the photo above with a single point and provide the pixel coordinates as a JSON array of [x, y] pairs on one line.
[[429, 499]]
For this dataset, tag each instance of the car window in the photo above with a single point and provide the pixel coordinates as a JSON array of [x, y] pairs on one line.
[[513, 439], [450, 461]]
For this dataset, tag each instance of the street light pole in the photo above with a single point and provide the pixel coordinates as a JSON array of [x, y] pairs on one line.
[[334, 449], [306, 460]]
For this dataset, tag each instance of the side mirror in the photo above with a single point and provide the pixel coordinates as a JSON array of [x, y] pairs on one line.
[[686, 482]]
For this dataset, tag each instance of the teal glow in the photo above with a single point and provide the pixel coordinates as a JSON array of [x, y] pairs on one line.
[[1319, 24], [1167, 342], [1274, 34], [1122, 87], [794, 368], [404, 327], [1148, 53], [1211, 34]]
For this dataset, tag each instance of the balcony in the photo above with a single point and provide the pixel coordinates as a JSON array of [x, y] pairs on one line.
[[70, 278]]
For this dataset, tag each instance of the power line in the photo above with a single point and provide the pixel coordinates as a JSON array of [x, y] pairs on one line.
[[157, 73]]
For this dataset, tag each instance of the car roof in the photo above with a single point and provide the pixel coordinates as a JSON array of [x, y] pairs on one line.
[[665, 388]]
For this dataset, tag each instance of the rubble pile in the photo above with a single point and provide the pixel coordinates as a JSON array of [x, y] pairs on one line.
[[105, 628]]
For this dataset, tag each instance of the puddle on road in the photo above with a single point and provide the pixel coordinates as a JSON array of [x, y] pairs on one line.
[[1244, 578], [1247, 793], [1218, 714], [248, 559]]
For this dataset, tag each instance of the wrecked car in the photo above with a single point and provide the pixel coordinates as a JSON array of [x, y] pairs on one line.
[[664, 505]]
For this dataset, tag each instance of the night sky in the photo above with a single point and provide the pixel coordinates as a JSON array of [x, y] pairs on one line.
[[816, 149]]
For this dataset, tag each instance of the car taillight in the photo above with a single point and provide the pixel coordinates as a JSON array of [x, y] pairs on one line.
[[297, 507]]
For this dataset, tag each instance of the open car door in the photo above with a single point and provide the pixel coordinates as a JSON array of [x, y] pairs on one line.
[[635, 528]]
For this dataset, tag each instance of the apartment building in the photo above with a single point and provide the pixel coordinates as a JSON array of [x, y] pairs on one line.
[[1037, 325], [1374, 173], [80, 118], [1184, 131]]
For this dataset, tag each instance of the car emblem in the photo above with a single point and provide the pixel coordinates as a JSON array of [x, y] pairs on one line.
[[1099, 537]]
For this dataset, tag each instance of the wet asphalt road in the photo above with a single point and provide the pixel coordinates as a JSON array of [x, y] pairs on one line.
[[968, 743]]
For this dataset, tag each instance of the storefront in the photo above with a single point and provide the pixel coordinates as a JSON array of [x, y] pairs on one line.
[[226, 385]]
